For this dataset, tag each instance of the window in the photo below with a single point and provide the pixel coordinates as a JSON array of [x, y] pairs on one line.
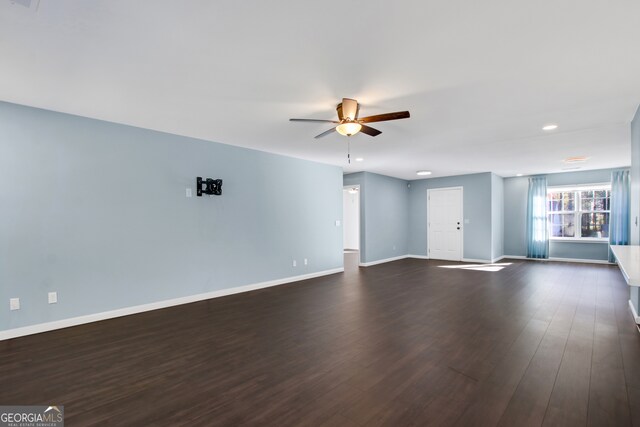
[[579, 213]]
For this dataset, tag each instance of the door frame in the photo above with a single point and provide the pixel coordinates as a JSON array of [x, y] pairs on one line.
[[347, 187], [429, 190]]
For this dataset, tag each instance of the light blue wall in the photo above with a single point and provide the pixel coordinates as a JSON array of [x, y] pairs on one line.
[[384, 215], [635, 193], [515, 207], [515, 216], [497, 216], [477, 210], [581, 177], [97, 212], [588, 251]]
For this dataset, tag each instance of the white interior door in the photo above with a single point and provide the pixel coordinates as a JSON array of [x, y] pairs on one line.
[[444, 223]]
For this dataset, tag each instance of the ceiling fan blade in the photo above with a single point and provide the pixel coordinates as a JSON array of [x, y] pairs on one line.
[[349, 108], [325, 133], [370, 131], [313, 120], [384, 117]]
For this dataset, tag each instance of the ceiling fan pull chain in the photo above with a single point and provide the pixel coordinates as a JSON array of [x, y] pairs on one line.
[[349, 150]]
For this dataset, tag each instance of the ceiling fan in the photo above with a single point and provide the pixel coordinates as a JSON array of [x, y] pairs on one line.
[[349, 123]]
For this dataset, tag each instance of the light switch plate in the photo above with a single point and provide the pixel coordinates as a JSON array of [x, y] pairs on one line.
[[53, 297], [14, 304], [337, 223], [188, 192]]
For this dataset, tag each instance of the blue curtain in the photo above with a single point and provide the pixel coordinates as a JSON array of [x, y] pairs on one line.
[[619, 216], [537, 236]]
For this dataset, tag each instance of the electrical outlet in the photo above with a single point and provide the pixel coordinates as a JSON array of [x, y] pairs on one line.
[[337, 223], [53, 297], [14, 304], [306, 262], [394, 247], [295, 264]]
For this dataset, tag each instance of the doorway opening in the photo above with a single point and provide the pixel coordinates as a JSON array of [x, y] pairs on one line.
[[351, 218]]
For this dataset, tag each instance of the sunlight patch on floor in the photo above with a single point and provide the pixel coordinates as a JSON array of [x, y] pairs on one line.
[[479, 267]]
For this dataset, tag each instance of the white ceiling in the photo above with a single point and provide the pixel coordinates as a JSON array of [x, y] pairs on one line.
[[479, 78]]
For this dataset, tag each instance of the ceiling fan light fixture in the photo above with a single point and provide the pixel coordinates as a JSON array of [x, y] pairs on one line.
[[348, 128]]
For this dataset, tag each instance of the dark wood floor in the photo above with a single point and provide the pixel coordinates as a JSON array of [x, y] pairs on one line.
[[403, 343]]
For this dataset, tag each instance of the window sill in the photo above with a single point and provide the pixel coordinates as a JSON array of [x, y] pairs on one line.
[[574, 240]]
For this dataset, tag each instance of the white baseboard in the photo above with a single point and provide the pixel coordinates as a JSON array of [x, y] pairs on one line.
[[634, 313], [382, 261], [126, 311], [477, 261], [494, 260], [418, 256], [584, 261], [555, 259]]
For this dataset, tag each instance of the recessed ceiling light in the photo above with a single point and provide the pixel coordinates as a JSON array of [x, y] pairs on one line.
[[422, 173], [571, 168], [550, 126], [518, 174], [576, 159], [359, 159]]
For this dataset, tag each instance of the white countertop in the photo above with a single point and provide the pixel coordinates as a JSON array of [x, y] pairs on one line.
[[628, 258]]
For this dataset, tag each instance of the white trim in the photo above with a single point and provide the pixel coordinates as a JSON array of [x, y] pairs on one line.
[[476, 261], [634, 313], [126, 311], [554, 259], [462, 223], [418, 256], [494, 260], [578, 211], [346, 187], [382, 261], [579, 187], [581, 260], [578, 240]]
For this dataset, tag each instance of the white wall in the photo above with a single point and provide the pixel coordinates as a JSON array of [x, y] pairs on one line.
[[351, 219]]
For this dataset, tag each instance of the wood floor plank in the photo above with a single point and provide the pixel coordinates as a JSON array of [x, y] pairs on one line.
[[494, 395], [608, 400], [528, 405], [569, 400], [406, 343]]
